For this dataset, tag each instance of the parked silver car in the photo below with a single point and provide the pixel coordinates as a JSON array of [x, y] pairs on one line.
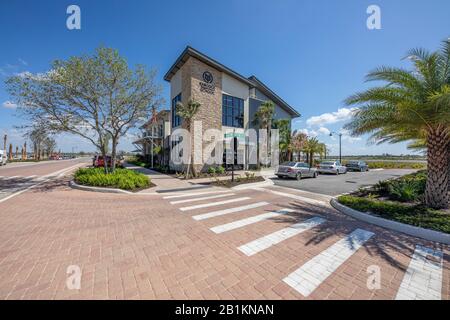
[[297, 170], [333, 167]]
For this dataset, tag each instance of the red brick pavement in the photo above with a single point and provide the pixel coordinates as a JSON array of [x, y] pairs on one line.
[[141, 247]]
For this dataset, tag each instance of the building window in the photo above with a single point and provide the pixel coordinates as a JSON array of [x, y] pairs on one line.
[[232, 111], [176, 119]]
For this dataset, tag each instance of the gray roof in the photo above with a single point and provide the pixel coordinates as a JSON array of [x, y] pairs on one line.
[[252, 81]]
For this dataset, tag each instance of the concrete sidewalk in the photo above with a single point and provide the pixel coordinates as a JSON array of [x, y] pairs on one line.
[[166, 182], [161, 180]]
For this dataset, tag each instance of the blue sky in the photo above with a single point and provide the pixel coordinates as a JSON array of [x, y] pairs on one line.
[[312, 53]]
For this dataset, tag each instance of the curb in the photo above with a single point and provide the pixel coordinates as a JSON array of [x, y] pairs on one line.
[[418, 232], [75, 185], [244, 186]]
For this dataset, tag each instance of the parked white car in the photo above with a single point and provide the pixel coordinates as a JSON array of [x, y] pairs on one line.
[[334, 167], [2, 157]]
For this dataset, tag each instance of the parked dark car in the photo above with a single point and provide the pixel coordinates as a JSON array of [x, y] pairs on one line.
[[357, 165]]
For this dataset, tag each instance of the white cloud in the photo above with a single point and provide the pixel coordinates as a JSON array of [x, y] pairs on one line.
[[342, 114], [324, 131], [23, 62], [9, 105]]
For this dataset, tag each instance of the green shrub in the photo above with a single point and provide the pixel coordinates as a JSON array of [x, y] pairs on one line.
[[404, 191], [220, 170], [417, 215], [212, 170], [120, 178]]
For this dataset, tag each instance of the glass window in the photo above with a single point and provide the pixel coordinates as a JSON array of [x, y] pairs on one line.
[[176, 119], [232, 111]]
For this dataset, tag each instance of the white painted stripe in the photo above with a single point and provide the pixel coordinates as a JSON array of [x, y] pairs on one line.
[[265, 242], [423, 278], [202, 198], [31, 177], [193, 194], [293, 196], [379, 169], [206, 205], [244, 222], [231, 210], [44, 179], [13, 177], [309, 276]]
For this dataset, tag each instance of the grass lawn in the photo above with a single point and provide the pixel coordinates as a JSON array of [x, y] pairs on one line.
[[121, 178]]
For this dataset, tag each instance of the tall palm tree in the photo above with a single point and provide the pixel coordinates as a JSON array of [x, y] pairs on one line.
[[264, 119], [414, 103], [285, 136], [187, 113]]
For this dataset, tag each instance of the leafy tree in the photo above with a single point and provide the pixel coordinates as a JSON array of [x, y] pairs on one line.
[[89, 96], [187, 113], [413, 104], [298, 142]]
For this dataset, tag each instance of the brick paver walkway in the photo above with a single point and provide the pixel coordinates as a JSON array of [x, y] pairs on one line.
[[144, 247]]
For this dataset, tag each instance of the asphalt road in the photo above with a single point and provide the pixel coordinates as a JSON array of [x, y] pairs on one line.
[[333, 185], [19, 177]]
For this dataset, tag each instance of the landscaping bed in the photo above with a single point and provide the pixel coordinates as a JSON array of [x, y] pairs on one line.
[[399, 200], [238, 180], [121, 179]]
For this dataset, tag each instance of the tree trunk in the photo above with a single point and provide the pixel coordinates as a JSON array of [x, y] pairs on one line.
[[448, 167], [113, 154], [436, 192]]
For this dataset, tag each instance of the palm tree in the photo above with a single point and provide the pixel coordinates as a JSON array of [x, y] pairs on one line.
[[285, 136], [187, 113], [413, 104], [311, 148], [264, 119]]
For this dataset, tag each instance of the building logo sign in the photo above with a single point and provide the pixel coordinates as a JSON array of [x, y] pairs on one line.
[[207, 86], [208, 77]]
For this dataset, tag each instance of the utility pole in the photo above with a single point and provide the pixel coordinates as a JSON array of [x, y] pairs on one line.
[[340, 144]]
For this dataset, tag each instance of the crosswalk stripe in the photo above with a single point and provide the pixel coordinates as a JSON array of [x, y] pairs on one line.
[[202, 198], [228, 211], [206, 205], [423, 278], [194, 194], [309, 276], [269, 240], [244, 222], [293, 196]]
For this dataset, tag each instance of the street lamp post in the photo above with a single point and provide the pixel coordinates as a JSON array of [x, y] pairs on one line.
[[340, 144]]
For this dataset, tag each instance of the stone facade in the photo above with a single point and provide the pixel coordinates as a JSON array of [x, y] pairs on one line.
[[210, 111]]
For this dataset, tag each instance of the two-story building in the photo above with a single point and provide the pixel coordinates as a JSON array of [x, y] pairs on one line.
[[228, 100], [154, 142]]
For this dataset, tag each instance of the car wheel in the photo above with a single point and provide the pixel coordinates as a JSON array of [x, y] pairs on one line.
[[298, 176], [280, 177]]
